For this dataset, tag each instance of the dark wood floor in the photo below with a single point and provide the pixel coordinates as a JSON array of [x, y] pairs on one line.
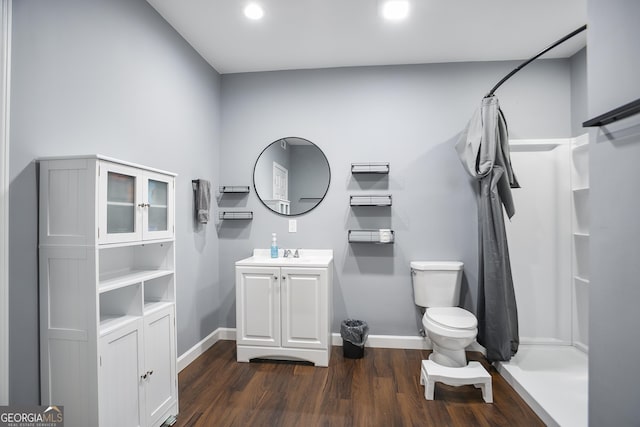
[[381, 389]]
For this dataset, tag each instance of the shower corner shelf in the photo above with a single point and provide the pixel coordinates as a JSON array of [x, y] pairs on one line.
[[371, 236], [233, 189], [236, 215], [370, 167], [371, 200], [581, 280]]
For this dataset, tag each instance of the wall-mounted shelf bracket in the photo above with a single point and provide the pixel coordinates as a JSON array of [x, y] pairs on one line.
[[236, 215], [370, 167], [370, 200], [233, 189], [372, 236]]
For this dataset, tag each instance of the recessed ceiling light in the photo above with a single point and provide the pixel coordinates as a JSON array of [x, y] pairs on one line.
[[395, 10], [253, 11]]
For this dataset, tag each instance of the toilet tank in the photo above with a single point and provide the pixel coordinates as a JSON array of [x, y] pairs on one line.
[[436, 283]]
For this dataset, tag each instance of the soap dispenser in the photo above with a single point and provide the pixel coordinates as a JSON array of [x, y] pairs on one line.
[[274, 246]]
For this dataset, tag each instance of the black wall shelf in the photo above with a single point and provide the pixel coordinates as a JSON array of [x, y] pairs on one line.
[[372, 236], [370, 167], [371, 200], [233, 189], [236, 215], [627, 110]]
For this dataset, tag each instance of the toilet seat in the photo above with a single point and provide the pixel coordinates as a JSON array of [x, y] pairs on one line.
[[452, 322], [452, 317]]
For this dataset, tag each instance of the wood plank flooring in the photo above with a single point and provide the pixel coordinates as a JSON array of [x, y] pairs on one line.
[[381, 389]]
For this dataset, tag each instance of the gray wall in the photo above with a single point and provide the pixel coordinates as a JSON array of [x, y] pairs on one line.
[[108, 77], [579, 106], [409, 116], [614, 337]]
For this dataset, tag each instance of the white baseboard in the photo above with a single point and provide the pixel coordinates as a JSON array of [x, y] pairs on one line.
[[408, 342], [194, 352]]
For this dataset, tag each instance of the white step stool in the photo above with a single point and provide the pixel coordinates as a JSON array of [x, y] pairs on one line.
[[474, 373]]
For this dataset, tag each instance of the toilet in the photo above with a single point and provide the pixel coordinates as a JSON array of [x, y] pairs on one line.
[[436, 287]]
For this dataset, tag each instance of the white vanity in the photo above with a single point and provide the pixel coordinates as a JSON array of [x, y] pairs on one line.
[[283, 306]]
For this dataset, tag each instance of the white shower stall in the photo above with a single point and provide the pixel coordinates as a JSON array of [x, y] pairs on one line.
[[548, 246]]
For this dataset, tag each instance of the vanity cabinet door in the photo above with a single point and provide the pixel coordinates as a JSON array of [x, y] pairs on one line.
[[258, 306], [304, 307]]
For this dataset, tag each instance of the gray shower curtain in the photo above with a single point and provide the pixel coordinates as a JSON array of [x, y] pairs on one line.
[[484, 151]]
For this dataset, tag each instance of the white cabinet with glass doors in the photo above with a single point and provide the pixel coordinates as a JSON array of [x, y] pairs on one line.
[[107, 291]]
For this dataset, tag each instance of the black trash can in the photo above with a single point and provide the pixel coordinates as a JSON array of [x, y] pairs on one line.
[[354, 334]]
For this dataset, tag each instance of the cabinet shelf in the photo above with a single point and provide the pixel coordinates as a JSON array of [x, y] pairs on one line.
[[581, 147], [581, 190], [236, 215], [370, 200], [581, 235], [110, 323], [153, 306], [233, 189], [371, 236], [128, 204], [581, 280], [111, 281], [370, 167]]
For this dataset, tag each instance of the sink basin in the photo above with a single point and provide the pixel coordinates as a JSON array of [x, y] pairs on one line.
[[308, 258]]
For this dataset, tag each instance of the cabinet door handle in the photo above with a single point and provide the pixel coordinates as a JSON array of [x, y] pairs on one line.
[[143, 377], [284, 277], [275, 277], [144, 205], [149, 373]]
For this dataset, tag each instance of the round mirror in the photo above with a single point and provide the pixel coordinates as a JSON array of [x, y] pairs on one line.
[[291, 176]]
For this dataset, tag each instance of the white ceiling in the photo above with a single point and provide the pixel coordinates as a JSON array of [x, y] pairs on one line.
[[296, 34]]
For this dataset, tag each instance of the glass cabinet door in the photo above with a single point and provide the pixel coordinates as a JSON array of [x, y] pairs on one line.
[[158, 212], [135, 204], [119, 210], [121, 207], [157, 193]]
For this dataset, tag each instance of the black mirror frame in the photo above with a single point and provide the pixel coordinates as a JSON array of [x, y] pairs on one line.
[[256, 189]]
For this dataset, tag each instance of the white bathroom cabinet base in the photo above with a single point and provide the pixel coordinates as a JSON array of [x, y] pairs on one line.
[[317, 357]]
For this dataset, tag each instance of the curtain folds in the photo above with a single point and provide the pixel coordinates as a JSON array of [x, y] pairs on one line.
[[483, 148]]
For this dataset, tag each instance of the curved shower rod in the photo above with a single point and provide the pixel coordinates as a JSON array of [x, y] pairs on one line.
[[542, 52]]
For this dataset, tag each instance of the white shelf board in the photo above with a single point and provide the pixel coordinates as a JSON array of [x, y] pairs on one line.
[[109, 323], [109, 282], [153, 306], [581, 280], [581, 147], [580, 190], [135, 243]]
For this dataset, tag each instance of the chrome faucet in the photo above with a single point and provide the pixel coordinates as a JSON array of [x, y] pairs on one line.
[[287, 253]]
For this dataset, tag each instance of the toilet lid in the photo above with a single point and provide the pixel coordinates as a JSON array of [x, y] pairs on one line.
[[452, 317]]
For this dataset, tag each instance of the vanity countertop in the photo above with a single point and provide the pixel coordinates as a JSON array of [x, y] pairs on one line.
[[308, 258]]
